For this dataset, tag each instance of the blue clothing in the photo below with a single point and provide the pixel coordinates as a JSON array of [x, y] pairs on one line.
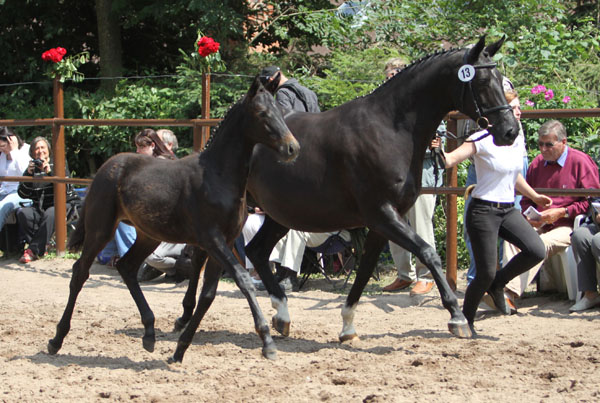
[[118, 246]]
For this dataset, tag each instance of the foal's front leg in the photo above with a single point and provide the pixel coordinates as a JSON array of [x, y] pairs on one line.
[[221, 256]]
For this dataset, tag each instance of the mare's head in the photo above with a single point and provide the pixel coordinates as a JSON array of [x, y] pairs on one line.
[[265, 123], [481, 95]]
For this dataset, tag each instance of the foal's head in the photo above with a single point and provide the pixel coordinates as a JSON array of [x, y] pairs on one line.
[[265, 123], [482, 95]]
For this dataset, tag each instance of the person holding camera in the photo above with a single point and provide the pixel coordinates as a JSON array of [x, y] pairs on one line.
[[36, 222], [14, 158]]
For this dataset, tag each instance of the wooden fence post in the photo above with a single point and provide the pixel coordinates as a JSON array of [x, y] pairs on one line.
[[451, 215], [202, 134], [58, 149]]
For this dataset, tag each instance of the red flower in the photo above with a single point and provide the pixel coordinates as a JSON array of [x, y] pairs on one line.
[[54, 55], [207, 46]]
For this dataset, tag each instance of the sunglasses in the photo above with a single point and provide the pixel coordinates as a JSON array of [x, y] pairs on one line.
[[547, 145]]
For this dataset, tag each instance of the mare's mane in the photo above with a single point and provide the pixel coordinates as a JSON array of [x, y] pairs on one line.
[[431, 57]]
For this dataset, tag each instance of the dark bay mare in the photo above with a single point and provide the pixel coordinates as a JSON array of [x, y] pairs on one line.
[[361, 165], [198, 200]]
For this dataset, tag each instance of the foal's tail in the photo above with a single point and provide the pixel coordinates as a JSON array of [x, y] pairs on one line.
[[75, 242]]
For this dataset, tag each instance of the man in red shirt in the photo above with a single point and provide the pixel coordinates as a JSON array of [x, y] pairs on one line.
[[560, 167]]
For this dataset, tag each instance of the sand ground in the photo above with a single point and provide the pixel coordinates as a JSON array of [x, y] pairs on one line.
[[405, 352]]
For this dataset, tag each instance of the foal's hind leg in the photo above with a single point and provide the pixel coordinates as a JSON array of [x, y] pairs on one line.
[[93, 244], [128, 267], [258, 251], [189, 300]]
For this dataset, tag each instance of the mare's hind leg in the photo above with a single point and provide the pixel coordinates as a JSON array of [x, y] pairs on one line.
[[189, 300], [258, 251], [373, 247], [93, 244], [399, 232], [221, 256], [128, 267]]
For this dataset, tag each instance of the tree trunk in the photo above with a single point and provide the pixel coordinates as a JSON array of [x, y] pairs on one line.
[[109, 40]]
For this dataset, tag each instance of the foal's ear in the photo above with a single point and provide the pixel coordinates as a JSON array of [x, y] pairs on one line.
[[256, 85], [494, 47], [474, 52]]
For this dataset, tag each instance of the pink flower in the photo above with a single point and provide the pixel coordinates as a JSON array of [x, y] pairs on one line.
[[566, 99], [538, 89], [529, 103], [548, 95]]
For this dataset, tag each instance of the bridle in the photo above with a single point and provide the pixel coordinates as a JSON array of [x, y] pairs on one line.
[[468, 74]]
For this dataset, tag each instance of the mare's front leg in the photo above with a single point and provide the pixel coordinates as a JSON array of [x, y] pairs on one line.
[[221, 256], [189, 300], [258, 251], [128, 267], [373, 246], [390, 226]]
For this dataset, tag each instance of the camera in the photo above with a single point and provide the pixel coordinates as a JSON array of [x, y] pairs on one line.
[[38, 163]]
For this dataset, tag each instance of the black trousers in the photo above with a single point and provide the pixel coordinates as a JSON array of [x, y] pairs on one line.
[[35, 227], [484, 223]]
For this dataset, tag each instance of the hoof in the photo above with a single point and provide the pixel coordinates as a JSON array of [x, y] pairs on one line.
[[281, 326], [269, 353], [148, 343], [52, 349], [180, 324], [348, 337], [460, 329], [173, 360]]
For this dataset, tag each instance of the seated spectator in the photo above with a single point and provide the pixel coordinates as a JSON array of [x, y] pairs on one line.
[[288, 252], [146, 142], [169, 139], [585, 242], [561, 167], [36, 222], [14, 159]]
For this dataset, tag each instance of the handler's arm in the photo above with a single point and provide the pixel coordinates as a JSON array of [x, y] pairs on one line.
[[457, 156]]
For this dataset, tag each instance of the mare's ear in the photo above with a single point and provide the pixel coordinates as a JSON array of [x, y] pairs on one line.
[[256, 85], [494, 47], [474, 52]]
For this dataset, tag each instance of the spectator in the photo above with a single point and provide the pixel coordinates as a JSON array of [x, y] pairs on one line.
[[420, 218], [36, 222], [585, 242], [169, 139], [559, 167], [491, 213], [14, 159], [288, 91]]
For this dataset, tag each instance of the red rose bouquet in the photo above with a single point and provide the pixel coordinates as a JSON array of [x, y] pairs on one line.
[[207, 46], [206, 58], [64, 67]]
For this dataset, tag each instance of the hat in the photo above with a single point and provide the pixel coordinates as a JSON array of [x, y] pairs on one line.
[[268, 72]]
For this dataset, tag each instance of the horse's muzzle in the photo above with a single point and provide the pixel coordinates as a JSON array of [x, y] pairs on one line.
[[290, 148]]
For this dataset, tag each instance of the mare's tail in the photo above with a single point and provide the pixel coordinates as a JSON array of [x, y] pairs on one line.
[[75, 242]]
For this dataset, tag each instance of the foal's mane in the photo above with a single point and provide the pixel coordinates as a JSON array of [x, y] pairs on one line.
[[234, 108]]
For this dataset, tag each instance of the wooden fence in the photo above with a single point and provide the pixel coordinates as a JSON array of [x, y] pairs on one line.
[[201, 131]]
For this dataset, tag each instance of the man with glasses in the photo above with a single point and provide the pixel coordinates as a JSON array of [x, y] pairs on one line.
[[561, 167]]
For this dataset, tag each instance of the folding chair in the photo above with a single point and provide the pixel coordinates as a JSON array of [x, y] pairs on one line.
[[319, 259]]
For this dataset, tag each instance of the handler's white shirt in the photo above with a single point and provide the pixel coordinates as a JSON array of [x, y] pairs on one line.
[[497, 168]]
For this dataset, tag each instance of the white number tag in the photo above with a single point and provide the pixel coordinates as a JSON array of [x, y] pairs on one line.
[[466, 73]]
